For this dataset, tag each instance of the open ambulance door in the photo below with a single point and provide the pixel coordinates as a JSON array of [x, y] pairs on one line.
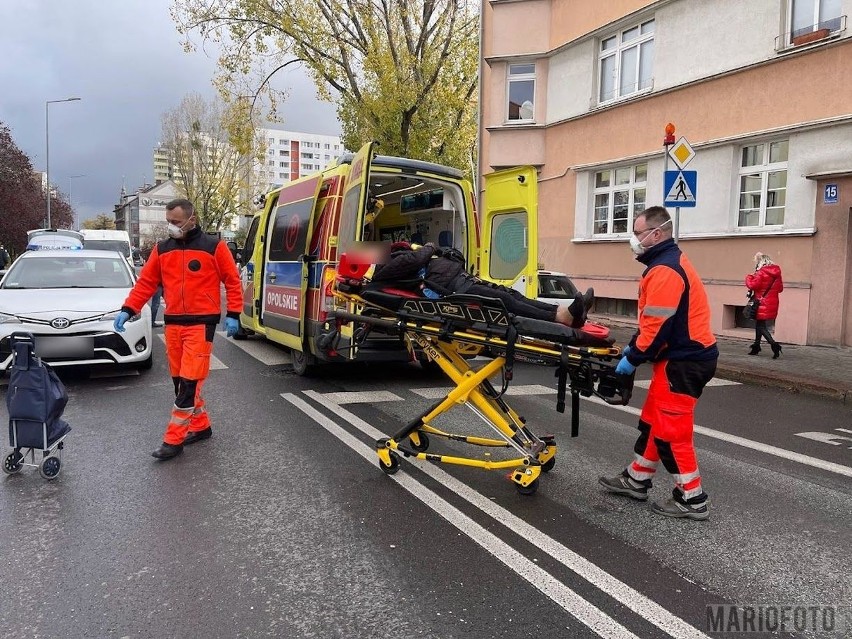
[[509, 251], [286, 262], [353, 209]]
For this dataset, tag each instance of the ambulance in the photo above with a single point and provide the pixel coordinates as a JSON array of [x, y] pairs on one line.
[[293, 245]]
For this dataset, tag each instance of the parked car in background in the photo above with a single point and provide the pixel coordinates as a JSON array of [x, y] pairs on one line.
[[556, 288], [109, 240], [67, 299]]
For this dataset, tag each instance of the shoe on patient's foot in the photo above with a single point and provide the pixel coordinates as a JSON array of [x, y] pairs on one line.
[[579, 308], [624, 484], [697, 507]]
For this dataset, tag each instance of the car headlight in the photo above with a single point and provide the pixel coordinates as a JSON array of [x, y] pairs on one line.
[[5, 318]]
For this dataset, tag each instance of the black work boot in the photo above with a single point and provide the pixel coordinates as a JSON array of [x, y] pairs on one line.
[[197, 436], [167, 451]]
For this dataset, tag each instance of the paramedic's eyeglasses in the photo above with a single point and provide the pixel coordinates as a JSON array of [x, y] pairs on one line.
[[645, 232]]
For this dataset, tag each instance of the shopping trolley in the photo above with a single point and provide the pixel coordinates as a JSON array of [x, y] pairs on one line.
[[35, 400]]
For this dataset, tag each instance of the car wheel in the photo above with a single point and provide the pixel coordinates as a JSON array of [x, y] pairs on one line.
[[303, 363]]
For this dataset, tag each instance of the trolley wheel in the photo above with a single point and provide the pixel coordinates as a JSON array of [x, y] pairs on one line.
[[527, 490], [49, 467], [424, 443], [13, 463], [547, 466], [394, 465]]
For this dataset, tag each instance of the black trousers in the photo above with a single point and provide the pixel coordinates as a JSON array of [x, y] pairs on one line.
[[761, 330], [515, 302]]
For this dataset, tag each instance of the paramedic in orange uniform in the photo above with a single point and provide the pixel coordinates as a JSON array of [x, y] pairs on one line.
[[674, 336], [191, 266]]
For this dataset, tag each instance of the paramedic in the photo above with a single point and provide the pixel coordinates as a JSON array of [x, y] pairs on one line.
[[191, 266], [445, 275], [674, 336]]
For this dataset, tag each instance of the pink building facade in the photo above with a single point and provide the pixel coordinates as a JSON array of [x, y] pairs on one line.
[[583, 89]]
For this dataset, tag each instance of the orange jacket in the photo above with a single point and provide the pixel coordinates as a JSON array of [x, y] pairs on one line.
[[674, 315], [191, 271]]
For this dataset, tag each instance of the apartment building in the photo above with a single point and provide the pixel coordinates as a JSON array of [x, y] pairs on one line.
[[583, 90], [290, 154]]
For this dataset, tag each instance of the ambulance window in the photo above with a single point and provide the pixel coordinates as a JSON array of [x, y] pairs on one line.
[[290, 231], [251, 237], [509, 247]]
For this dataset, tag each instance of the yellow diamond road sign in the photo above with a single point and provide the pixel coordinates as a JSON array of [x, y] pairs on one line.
[[681, 153]]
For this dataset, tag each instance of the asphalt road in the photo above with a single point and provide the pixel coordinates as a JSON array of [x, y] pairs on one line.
[[282, 524]]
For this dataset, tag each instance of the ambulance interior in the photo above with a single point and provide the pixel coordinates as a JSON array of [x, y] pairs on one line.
[[418, 210]]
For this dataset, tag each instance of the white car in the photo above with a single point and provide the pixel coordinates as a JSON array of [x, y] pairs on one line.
[[556, 288], [68, 300]]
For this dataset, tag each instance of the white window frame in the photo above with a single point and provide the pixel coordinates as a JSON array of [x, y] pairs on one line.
[[634, 206], [764, 169], [617, 53], [519, 77], [816, 23]]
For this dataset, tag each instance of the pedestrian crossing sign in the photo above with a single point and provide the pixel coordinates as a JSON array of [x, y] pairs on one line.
[[680, 187]]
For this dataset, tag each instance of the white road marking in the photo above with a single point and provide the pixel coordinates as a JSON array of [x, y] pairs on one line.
[[367, 397], [716, 381], [585, 612], [262, 350], [621, 592], [520, 389], [807, 460], [215, 363]]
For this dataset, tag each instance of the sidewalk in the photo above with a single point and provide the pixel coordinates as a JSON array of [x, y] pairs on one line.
[[816, 370]]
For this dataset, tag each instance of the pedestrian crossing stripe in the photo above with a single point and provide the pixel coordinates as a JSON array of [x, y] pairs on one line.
[[716, 381], [518, 390], [679, 192]]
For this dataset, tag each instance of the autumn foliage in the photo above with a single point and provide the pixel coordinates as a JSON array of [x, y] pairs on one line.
[[22, 201]]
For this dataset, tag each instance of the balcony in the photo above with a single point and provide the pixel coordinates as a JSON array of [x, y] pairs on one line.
[[815, 33]]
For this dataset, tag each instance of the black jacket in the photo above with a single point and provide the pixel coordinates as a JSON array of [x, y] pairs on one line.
[[443, 274]]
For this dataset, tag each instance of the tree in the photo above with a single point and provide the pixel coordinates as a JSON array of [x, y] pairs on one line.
[[149, 238], [102, 221], [403, 72], [22, 200], [209, 169]]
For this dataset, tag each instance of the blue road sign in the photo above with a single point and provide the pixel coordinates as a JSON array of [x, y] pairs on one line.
[[829, 194], [679, 188]]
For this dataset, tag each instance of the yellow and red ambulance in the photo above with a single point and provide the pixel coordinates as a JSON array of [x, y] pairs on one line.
[[293, 244]]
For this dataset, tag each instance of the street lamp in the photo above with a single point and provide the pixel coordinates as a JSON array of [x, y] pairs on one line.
[[47, 148], [71, 202]]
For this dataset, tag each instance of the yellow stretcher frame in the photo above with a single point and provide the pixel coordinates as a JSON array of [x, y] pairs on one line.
[[444, 344]]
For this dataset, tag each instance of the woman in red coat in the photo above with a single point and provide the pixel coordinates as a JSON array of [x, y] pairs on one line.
[[766, 284]]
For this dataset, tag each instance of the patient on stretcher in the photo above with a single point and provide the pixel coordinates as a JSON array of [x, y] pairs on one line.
[[436, 273]]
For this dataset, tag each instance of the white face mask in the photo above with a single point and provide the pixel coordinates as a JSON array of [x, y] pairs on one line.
[[176, 231], [636, 244]]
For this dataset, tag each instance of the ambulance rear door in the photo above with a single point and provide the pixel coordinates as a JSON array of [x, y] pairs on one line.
[[509, 251], [352, 210], [285, 275]]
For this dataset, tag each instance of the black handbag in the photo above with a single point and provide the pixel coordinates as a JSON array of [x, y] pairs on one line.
[[750, 310]]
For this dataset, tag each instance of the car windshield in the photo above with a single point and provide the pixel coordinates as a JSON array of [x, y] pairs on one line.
[[53, 271], [108, 245], [556, 286]]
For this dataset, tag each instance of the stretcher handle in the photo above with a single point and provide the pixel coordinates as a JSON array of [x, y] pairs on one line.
[[379, 322]]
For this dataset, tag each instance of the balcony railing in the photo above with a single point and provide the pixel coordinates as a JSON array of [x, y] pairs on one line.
[[826, 30]]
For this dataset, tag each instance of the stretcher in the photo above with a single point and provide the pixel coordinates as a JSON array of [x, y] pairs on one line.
[[448, 331]]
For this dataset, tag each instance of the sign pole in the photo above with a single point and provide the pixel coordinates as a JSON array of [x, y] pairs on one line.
[[679, 187], [667, 144]]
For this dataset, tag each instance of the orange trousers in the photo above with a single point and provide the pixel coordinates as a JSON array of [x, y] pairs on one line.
[[666, 424], [188, 349]]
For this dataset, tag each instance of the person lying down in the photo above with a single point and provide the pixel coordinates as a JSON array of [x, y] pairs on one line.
[[440, 273]]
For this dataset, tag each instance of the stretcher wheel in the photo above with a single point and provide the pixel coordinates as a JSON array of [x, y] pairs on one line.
[[527, 490], [13, 463], [424, 443], [49, 467], [547, 466], [394, 465]]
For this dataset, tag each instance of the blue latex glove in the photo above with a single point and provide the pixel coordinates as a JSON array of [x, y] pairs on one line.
[[231, 326], [625, 367], [626, 351], [118, 324]]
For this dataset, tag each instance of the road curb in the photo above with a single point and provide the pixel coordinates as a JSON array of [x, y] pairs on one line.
[[788, 383]]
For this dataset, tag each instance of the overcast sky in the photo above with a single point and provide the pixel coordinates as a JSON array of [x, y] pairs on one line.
[[124, 59]]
